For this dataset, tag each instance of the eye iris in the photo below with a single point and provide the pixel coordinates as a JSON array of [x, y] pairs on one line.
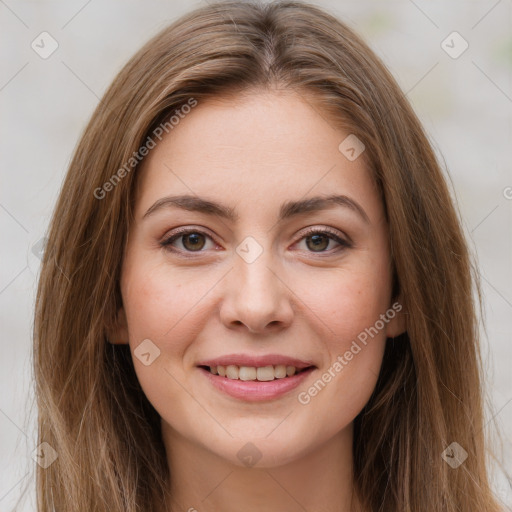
[[319, 242], [316, 242], [193, 241]]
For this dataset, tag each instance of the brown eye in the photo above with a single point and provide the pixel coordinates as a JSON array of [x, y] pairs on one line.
[[187, 241], [193, 241], [317, 242], [323, 241]]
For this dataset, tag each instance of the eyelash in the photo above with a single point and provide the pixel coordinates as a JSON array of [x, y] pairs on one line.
[[332, 235]]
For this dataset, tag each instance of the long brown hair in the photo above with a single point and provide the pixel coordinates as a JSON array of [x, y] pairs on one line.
[[92, 410]]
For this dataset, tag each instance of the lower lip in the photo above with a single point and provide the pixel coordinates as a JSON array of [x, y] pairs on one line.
[[256, 391]]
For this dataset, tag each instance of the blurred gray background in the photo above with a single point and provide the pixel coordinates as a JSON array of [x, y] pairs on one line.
[[462, 95]]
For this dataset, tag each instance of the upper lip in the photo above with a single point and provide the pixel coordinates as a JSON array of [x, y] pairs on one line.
[[256, 361]]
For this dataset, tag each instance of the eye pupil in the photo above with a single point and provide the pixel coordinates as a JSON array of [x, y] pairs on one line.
[[195, 241], [319, 241]]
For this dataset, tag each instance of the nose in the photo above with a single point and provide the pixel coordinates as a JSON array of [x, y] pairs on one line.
[[256, 295]]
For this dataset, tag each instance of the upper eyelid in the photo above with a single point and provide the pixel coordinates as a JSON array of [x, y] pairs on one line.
[[185, 231]]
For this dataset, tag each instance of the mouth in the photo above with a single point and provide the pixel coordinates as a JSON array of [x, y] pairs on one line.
[[256, 378], [253, 373]]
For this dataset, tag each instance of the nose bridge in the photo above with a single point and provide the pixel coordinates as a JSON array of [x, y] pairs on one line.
[[256, 297], [252, 268]]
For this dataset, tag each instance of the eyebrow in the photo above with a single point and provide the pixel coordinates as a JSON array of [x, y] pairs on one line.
[[288, 210]]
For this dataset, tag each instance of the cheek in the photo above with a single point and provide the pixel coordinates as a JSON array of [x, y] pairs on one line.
[[354, 348], [161, 304], [345, 302], [347, 306], [338, 394]]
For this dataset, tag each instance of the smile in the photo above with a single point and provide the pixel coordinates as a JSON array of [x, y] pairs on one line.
[[255, 378], [261, 374]]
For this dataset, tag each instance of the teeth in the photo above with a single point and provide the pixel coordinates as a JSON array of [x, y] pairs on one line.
[[263, 373], [280, 371], [231, 371], [247, 373]]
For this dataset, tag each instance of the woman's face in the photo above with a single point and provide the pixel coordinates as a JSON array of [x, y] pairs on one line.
[[300, 318]]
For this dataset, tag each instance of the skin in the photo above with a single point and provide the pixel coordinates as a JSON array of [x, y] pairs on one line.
[[252, 153]]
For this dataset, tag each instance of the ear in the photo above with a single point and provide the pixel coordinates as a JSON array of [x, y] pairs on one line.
[[397, 315], [118, 335]]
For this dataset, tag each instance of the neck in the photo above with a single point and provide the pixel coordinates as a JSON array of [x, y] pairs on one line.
[[318, 481]]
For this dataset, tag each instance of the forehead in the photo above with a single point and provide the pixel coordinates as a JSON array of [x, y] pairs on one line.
[[253, 149]]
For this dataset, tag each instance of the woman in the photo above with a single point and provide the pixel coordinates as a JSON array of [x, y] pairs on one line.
[[256, 293]]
